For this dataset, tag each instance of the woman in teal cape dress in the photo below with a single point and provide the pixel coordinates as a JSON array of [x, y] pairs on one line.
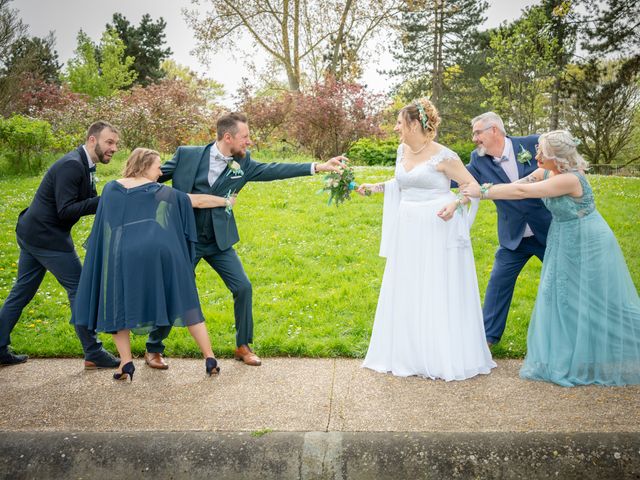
[[585, 325]]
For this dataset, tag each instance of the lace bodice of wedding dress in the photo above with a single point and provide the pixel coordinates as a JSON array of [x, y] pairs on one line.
[[424, 182]]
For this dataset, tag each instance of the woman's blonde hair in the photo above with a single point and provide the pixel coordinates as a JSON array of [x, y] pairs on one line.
[[561, 146], [425, 113], [138, 162]]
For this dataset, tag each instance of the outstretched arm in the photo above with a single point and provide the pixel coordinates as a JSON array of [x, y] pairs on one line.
[[202, 200], [369, 188], [266, 172], [556, 186]]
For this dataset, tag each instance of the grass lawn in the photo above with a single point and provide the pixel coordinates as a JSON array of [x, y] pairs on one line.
[[315, 269]]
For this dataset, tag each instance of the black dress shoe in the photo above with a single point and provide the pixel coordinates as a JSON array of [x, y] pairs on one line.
[[7, 357], [101, 359]]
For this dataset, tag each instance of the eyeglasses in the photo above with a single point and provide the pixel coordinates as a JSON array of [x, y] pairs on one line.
[[475, 133]]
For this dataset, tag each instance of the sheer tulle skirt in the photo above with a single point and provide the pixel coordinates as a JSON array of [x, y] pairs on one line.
[[429, 319], [585, 327]]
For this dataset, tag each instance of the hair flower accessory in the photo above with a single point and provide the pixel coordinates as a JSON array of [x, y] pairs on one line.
[[524, 156], [424, 119], [234, 168]]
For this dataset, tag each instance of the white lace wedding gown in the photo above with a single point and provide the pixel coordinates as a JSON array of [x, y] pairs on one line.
[[429, 319]]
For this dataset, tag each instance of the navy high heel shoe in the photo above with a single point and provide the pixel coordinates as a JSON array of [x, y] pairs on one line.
[[212, 366], [127, 372]]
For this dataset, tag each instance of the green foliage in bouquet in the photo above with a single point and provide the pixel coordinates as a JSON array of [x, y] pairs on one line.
[[339, 185]]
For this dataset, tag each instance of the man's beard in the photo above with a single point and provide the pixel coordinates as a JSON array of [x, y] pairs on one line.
[[481, 151], [238, 154], [100, 154]]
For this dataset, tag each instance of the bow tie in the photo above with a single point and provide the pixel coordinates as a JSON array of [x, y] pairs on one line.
[[92, 169], [498, 161], [224, 159]]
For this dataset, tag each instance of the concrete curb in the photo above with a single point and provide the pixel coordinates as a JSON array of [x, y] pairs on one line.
[[318, 455]]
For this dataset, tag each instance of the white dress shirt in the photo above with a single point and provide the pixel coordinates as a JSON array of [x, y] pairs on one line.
[[510, 167], [216, 164]]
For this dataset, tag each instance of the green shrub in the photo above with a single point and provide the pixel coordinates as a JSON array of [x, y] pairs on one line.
[[373, 151], [463, 149], [27, 143]]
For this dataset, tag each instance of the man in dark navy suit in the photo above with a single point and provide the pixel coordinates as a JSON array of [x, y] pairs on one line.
[[522, 224], [224, 167], [66, 193]]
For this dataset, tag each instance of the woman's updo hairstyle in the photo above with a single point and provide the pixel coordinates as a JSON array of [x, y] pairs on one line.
[[139, 161], [425, 113], [561, 146]]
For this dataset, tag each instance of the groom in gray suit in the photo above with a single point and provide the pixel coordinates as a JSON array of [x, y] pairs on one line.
[[223, 168]]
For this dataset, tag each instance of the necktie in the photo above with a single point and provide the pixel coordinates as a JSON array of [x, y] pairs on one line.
[[498, 161]]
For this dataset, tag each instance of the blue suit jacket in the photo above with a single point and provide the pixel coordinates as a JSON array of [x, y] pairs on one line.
[[513, 214], [182, 170]]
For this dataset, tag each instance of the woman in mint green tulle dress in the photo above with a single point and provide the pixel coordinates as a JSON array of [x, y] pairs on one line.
[[585, 326]]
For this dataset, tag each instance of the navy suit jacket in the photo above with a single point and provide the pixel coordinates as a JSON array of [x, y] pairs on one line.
[[513, 215], [65, 194], [183, 168]]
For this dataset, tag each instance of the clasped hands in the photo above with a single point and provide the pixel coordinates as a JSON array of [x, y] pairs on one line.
[[466, 190]]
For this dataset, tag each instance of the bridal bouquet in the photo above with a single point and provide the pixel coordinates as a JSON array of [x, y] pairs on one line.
[[339, 185]]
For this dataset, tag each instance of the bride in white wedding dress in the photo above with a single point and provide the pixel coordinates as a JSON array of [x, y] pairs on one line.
[[429, 319]]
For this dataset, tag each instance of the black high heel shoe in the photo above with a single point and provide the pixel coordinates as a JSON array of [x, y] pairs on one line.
[[127, 372], [212, 366]]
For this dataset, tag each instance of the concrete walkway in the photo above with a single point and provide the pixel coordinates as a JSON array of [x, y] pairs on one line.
[[317, 400]]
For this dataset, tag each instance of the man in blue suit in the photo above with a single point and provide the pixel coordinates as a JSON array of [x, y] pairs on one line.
[[223, 168], [522, 224], [67, 193]]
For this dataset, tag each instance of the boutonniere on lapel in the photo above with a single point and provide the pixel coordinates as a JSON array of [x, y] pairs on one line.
[[524, 156], [93, 177], [234, 168]]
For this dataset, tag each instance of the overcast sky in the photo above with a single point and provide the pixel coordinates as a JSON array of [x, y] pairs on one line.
[[66, 17]]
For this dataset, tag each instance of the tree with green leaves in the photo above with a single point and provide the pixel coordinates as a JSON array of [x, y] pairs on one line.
[[295, 33], [34, 56], [100, 78], [602, 109], [432, 37], [208, 89], [614, 28], [11, 28], [521, 72], [145, 43], [561, 31], [603, 100]]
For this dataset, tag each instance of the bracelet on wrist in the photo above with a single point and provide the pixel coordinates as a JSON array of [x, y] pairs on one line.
[[459, 207], [484, 190]]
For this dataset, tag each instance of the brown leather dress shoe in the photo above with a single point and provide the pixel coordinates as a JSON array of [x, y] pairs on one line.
[[155, 360], [243, 353]]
